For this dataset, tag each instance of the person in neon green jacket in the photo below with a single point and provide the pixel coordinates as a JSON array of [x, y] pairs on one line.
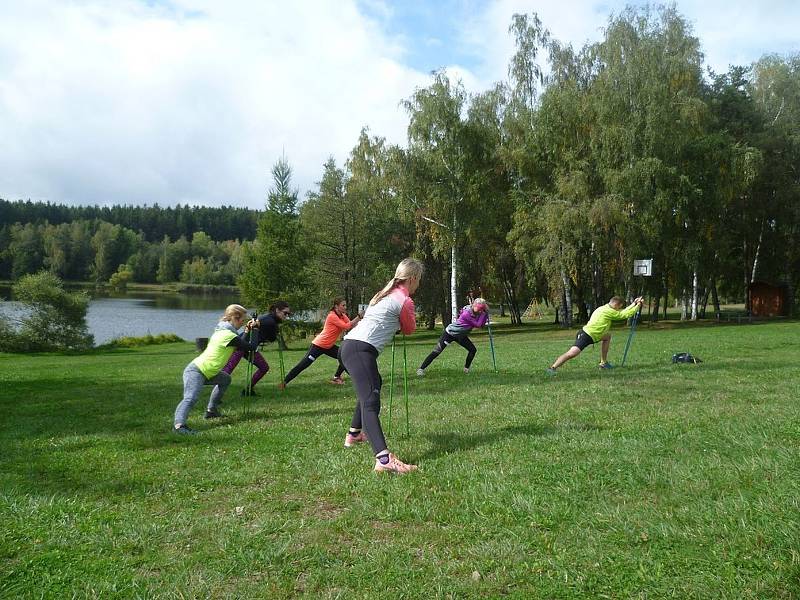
[[597, 330], [206, 369]]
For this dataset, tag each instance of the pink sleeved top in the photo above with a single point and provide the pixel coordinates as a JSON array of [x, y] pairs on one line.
[[382, 320]]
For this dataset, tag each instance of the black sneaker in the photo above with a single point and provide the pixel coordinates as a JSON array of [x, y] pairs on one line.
[[249, 392], [184, 430], [213, 414]]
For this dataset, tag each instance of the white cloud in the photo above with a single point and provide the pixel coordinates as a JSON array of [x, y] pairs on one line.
[[121, 102], [192, 101]]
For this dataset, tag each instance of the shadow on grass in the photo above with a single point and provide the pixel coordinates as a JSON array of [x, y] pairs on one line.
[[263, 413], [575, 373], [451, 442]]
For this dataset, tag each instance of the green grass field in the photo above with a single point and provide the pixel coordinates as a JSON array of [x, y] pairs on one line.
[[650, 481]]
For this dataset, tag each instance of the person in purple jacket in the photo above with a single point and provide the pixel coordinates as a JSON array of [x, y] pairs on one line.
[[471, 317]]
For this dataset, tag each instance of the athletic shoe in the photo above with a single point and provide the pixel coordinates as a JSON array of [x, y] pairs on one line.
[[351, 440], [466, 369], [337, 381], [281, 386], [606, 366], [420, 372], [213, 414], [550, 371], [250, 392], [184, 430], [395, 465]]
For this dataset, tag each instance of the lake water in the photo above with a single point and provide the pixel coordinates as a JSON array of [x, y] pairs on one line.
[[139, 313]]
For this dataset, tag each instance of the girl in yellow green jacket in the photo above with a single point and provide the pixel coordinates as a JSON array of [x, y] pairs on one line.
[[597, 330], [206, 369]]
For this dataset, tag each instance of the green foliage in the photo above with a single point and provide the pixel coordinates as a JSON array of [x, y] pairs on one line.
[[550, 185], [81, 249], [276, 264], [113, 245], [9, 340], [121, 278], [137, 342], [295, 330], [220, 222], [354, 226], [26, 249], [198, 270], [55, 319]]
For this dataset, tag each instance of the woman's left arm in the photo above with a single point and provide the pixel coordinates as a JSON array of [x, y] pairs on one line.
[[408, 317]]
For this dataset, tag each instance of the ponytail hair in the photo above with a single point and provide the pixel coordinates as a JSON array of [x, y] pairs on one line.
[[336, 302], [408, 268]]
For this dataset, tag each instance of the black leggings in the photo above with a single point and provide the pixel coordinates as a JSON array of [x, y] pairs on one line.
[[444, 341], [361, 361], [314, 352]]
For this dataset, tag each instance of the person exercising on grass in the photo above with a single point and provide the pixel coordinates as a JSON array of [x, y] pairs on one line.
[[473, 316], [597, 330], [336, 322], [268, 331], [206, 369], [389, 310]]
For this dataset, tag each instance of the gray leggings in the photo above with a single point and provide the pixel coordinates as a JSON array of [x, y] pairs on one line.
[[193, 382]]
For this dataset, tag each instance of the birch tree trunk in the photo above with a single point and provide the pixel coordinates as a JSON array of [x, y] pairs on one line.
[[758, 249], [567, 299], [684, 301]]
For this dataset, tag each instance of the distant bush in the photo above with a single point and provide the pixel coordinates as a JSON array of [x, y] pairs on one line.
[[147, 340], [299, 330], [120, 279], [55, 319], [9, 339]]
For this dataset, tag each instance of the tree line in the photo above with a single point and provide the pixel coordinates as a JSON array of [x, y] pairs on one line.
[[550, 184], [102, 252], [547, 185], [154, 222]]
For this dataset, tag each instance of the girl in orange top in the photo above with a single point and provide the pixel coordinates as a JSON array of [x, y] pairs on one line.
[[325, 343]]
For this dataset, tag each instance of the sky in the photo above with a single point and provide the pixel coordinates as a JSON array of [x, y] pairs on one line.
[[193, 101]]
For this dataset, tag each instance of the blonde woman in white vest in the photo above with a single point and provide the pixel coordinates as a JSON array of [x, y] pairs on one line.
[[389, 310]]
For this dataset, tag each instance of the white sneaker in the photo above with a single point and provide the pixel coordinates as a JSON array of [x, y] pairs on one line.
[[420, 372], [466, 369]]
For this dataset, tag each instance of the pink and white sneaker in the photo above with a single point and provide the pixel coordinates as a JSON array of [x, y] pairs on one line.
[[395, 465], [351, 440]]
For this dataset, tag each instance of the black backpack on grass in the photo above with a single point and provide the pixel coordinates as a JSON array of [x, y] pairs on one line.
[[685, 357]]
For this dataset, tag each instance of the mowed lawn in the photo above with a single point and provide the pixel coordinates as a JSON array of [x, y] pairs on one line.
[[649, 481]]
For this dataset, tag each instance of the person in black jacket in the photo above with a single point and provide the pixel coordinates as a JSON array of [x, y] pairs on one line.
[[268, 332]]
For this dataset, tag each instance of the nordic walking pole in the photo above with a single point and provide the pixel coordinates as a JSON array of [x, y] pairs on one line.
[[491, 343], [391, 391], [248, 390], [280, 356], [405, 384], [630, 335]]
